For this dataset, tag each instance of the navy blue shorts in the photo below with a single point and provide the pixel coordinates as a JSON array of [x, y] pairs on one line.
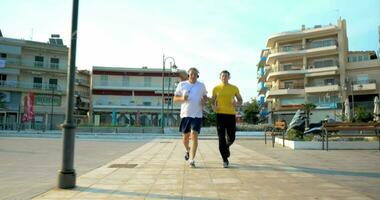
[[190, 123]]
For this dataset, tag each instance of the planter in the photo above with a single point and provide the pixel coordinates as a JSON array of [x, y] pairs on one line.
[[332, 144]]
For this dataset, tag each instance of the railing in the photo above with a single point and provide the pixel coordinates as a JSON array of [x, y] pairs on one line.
[[288, 67], [362, 82], [322, 84], [35, 64], [28, 85], [298, 47], [82, 94], [294, 86], [322, 64], [136, 85], [81, 81]]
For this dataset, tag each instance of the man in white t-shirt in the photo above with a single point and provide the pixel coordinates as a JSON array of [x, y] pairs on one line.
[[192, 96]]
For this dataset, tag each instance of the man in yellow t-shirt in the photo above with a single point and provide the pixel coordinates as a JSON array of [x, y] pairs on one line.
[[226, 98]]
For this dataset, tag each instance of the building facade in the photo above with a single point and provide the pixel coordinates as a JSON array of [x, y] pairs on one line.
[[82, 96], [314, 65], [133, 96], [33, 83]]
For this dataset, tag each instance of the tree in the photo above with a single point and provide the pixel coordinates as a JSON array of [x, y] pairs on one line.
[[307, 108], [209, 114], [251, 110]]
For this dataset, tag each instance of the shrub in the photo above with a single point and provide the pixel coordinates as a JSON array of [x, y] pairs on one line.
[[362, 115], [295, 135], [251, 127]]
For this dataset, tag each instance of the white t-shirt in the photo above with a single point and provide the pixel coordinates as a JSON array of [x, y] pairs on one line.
[[193, 106]]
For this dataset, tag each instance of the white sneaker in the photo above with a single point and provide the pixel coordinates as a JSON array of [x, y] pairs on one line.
[[192, 163]]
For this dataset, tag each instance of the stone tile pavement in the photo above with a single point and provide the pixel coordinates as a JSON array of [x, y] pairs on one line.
[[157, 170]]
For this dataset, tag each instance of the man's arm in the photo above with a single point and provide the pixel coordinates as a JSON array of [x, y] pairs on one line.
[[179, 99], [239, 100]]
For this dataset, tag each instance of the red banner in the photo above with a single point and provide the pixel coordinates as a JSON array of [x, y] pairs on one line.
[[28, 107]]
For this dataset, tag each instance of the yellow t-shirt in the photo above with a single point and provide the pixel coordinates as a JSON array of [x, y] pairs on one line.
[[225, 95]]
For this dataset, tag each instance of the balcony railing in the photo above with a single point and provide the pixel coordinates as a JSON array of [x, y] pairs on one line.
[[322, 84], [28, 85], [322, 64], [362, 82], [293, 86], [35, 64], [299, 47], [288, 67]]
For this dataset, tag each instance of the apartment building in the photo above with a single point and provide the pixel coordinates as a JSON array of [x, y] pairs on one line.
[[82, 96], [33, 82], [133, 96], [314, 65]]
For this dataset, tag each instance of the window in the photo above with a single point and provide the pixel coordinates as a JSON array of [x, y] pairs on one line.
[[54, 63], [104, 80], [362, 78], [287, 48], [53, 83], [287, 67], [38, 61], [147, 81], [360, 58], [37, 82], [3, 78], [125, 80], [3, 55], [288, 84], [329, 81]]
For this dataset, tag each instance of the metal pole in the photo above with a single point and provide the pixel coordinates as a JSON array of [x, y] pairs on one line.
[[67, 175], [52, 108], [162, 94], [353, 105]]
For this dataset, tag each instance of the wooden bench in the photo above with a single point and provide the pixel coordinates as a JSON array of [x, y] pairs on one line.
[[279, 129], [333, 129]]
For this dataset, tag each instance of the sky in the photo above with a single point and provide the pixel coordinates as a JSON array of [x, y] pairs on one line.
[[211, 35]]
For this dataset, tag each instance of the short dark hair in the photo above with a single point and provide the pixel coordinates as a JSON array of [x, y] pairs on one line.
[[225, 72], [193, 69]]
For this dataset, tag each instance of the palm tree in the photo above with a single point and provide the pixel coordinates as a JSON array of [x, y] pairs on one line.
[[307, 107]]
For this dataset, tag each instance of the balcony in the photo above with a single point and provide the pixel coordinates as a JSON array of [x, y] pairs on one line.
[[308, 32], [328, 87], [297, 51], [107, 85], [35, 65], [131, 106], [286, 71], [364, 85], [30, 87], [323, 68], [82, 82], [296, 89]]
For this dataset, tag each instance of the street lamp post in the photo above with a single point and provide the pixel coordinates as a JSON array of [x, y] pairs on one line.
[[52, 107], [163, 88], [67, 175]]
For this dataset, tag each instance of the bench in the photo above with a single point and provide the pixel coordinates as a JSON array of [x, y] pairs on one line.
[[333, 129], [279, 129]]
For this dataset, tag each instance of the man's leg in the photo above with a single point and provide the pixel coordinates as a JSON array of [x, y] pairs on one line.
[[221, 137], [194, 145], [231, 129], [185, 140]]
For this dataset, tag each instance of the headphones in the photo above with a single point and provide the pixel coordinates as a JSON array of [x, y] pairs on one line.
[[193, 69]]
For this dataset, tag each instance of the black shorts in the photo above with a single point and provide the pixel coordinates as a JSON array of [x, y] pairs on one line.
[[190, 123]]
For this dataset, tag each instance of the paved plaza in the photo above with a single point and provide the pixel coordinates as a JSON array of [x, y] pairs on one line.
[[157, 170]]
